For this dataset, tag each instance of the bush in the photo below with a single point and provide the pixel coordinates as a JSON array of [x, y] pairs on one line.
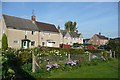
[[42, 72], [105, 54], [7, 73], [4, 42], [94, 51], [24, 57]]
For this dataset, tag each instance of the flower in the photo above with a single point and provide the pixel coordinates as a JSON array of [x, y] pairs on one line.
[[49, 67], [72, 62], [55, 65]]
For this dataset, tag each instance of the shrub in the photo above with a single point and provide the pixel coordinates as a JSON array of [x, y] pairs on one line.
[[24, 56], [42, 72], [4, 42], [7, 73], [94, 51], [105, 54]]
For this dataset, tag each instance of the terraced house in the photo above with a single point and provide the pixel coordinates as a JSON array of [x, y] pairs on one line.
[[28, 33], [69, 38], [24, 33]]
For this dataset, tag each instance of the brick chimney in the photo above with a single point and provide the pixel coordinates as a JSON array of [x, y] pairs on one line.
[[33, 18], [99, 33], [59, 28]]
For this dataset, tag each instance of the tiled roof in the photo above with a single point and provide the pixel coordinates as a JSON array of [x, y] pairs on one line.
[[72, 34], [46, 27], [102, 37], [63, 32], [86, 40], [19, 23]]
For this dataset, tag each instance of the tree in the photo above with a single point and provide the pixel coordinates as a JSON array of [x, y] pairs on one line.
[[70, 26], [114, 45], [4, 42]]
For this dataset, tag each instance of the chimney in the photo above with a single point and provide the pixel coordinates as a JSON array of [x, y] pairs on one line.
[[59, 28], [33, 18], [99, 33]]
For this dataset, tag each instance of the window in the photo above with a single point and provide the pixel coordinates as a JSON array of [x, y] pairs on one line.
[[33, 32], [32, 43], [16, 42], [25, 32], [43, 33], [43, 43], [49, 34], [97, 40]]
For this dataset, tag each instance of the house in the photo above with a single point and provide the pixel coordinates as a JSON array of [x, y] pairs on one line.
[[86, 41], [68, 38], [99, 39], [49, 34], [24, 33]]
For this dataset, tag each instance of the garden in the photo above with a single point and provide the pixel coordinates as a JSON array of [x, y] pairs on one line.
[[45, 62]]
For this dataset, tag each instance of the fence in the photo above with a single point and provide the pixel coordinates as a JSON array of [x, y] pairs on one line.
[[45, 57]]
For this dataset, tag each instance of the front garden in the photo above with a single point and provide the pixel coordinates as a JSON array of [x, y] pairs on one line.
[[44, 62]]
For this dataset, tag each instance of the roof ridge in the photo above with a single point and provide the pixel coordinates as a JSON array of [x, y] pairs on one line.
[[45, 23], [15, 17]]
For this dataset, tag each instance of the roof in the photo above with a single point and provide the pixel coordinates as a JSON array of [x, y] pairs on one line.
[[63, 32], [46, 27], [19, 23], [72, 34], [101, 36], [86, 39]]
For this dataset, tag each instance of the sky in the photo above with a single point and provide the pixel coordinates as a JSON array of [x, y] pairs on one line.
[[91, 17]]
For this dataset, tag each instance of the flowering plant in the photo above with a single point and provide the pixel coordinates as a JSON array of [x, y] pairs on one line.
[[72, 63], [50, 66]]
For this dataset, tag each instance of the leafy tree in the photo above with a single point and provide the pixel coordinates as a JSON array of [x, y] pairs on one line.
[[4, 42], [70, 26], [114, 45]]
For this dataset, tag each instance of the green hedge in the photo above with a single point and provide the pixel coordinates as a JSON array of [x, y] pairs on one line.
[[4, 42], [94, 51]]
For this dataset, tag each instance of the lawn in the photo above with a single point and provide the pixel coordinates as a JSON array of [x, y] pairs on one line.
[[102, 70]]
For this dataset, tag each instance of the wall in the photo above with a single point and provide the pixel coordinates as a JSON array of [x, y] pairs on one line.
[[18, 35], [53, 36], [67, 39], [95, 40]]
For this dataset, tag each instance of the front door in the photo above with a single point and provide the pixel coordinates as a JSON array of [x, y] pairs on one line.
[[25, 44]]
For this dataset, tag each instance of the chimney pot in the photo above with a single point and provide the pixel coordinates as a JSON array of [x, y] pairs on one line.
[[33, 18]]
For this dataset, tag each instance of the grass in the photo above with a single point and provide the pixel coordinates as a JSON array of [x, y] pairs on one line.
[[102, 70]]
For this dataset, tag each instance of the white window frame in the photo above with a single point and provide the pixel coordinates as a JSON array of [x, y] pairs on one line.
[[16, 41]]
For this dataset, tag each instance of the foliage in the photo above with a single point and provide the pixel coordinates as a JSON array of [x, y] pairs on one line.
[[4, 42], [70, 26], [24, 56], [7, 72], [105, 54], [94, 51], [114, 45], [42, 72]]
